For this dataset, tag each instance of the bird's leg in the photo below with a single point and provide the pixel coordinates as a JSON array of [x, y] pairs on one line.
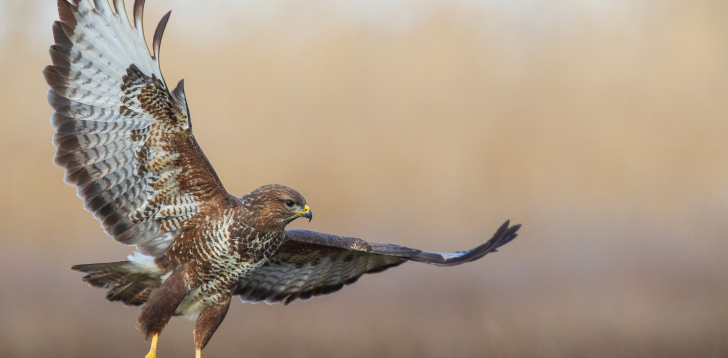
[[153, 351], [207, 324], [163, 303]]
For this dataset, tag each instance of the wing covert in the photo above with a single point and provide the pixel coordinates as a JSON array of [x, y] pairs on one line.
[[310, 264], [124, 139]]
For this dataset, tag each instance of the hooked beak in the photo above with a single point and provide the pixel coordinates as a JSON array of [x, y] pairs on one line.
[[306, 213]]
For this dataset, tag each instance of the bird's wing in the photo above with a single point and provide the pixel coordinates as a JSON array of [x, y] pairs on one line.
[[311, 264], [123, 137]]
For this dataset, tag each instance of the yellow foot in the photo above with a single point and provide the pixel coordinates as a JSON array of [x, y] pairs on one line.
[[153, 351]]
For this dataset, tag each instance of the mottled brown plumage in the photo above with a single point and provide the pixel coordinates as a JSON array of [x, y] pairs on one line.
[[126, 143]]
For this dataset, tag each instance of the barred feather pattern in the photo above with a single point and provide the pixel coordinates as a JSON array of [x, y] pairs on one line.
[[126, 282], [302, 271], [311, 264], [124, 139]]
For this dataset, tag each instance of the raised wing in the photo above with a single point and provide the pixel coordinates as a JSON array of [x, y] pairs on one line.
[[124, 139], [312, 264]]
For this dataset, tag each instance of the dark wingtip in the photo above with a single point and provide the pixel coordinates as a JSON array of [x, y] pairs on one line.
[[502, 236], [54, 79], [120, 8], [178, 93], [60, 37], [509, 234], [157, 41], [139, 16], [65, 14]]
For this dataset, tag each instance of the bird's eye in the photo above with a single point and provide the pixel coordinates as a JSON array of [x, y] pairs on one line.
[[289, 203]]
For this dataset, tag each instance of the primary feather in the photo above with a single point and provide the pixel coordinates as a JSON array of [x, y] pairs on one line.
[[122, 136]]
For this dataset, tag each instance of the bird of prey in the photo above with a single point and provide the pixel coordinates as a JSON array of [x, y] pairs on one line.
[[125, 140]]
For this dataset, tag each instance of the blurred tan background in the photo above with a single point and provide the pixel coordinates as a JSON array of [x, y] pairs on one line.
[[599, 125]]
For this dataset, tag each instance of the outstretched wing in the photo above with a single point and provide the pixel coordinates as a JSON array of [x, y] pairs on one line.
[[312, 264], [124, 139]]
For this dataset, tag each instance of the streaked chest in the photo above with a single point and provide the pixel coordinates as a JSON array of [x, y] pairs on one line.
[[227, 248]]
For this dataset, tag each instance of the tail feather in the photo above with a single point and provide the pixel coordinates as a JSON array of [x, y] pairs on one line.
[[104, 275], [127, 281]]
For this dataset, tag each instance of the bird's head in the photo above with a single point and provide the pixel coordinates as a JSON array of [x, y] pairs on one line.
[[279, 203]]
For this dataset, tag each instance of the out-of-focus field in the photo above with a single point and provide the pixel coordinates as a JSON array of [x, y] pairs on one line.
[[600, 126]]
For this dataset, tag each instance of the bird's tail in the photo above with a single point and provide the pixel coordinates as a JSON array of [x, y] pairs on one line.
[[132, 282]]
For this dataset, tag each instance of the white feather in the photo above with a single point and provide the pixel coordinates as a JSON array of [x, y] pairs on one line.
[[143, 262]]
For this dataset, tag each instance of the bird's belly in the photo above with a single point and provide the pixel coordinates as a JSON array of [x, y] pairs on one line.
[[221, 264], [216, 286]]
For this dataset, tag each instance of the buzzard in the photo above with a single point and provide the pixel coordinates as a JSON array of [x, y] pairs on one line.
[[125, 140]]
